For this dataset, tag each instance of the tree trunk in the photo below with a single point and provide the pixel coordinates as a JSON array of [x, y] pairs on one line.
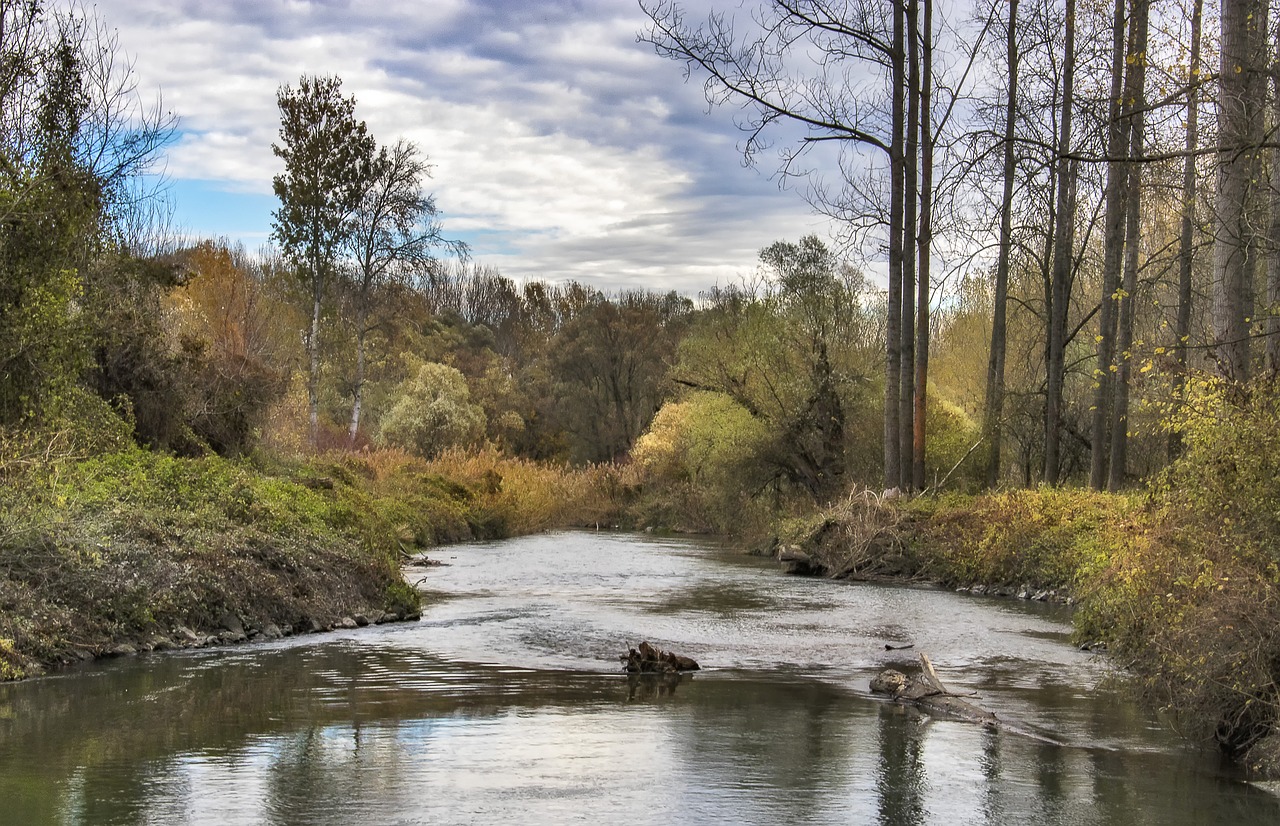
[[313, 346], [893, 325], [357, 392], [1273, 258], [1112, 254], [994, 410], [925, 240], [1241, 104], [1063, 244], [906, 390], [1135, 98], [1186, 240]]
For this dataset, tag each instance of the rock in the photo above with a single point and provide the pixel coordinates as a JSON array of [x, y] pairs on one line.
[[388, 616], [650, 660], [230, 622], [413, 616], [185, 635], [795, 561], [122, 649], [347, 623], [890, 681], [311, 625], [231, 637], [361, 620]]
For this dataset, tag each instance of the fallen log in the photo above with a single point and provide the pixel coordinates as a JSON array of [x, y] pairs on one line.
[[926, 691], [646, 659]]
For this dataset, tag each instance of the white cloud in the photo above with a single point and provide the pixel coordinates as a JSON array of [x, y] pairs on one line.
[[567, 149]]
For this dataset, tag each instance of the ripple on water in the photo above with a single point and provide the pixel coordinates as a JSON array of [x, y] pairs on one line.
[[505, 704]]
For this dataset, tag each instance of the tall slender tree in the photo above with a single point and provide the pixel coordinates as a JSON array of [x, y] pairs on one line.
[[1062, 267], [329, 160], [1186, 234], [1241, 117], [994, 406]]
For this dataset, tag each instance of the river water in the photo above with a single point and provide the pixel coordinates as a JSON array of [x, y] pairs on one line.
[[506, 704]]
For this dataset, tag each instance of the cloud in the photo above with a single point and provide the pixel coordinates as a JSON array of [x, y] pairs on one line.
[[562, 148]]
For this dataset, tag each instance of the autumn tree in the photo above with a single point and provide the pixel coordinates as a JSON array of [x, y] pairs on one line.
[[74, 141], [329, 163]]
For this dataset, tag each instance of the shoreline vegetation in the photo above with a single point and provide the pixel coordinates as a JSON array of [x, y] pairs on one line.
[[136, 551], [133, 550]]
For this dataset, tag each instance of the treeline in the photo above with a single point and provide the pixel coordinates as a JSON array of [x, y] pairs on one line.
[[1102, 177]]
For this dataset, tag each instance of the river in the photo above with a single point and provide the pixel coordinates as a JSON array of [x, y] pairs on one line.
[[505, 704]]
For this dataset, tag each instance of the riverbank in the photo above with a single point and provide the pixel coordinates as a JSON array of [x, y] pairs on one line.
[[1188, 605], [137, 551]]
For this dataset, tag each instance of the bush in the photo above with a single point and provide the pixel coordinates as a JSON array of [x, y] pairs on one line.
[[1193, 606], [432, 413], [700, 466]]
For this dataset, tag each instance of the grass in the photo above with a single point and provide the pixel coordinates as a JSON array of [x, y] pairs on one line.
[[127, 546]]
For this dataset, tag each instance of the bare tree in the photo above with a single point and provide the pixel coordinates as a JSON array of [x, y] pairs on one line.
[[1186, 236], [394, 231], [1241, 117], [1062, 275], [994, 407]]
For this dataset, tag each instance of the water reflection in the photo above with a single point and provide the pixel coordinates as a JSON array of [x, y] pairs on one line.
[[504, 705]]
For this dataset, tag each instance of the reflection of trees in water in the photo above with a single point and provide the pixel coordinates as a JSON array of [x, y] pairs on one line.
[[321, 775], [109, 744], [901, 781], [757, 747]]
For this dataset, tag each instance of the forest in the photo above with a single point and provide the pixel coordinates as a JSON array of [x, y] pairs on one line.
[[1041, 346]]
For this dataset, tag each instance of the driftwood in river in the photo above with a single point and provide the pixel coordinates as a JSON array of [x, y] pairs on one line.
[[650, 660], [927, 692]]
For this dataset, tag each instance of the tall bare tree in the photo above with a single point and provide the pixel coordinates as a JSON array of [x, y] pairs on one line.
[[1186, 235], [994, 406], [394, 231], [1062, 267], [924, 242], [1241, 118]]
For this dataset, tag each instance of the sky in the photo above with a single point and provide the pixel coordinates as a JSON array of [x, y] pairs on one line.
[[561, 147]]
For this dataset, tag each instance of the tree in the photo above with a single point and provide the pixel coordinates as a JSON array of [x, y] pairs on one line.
[[74, 141], [433, 412], [1062, 276], [1187, 224], [833, 69], [1241, 118], [235, 325], [610, 362], [330, 161], [797, 354], [393, 231], [993, 410]]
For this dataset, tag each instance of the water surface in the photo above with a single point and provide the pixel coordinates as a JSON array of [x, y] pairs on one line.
[[505, 703]]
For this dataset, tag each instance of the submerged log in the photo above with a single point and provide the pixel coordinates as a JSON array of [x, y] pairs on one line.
[[646, 659], [926, 691]]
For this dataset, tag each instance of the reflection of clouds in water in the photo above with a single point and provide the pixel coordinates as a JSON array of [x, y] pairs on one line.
[[404, 724]]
